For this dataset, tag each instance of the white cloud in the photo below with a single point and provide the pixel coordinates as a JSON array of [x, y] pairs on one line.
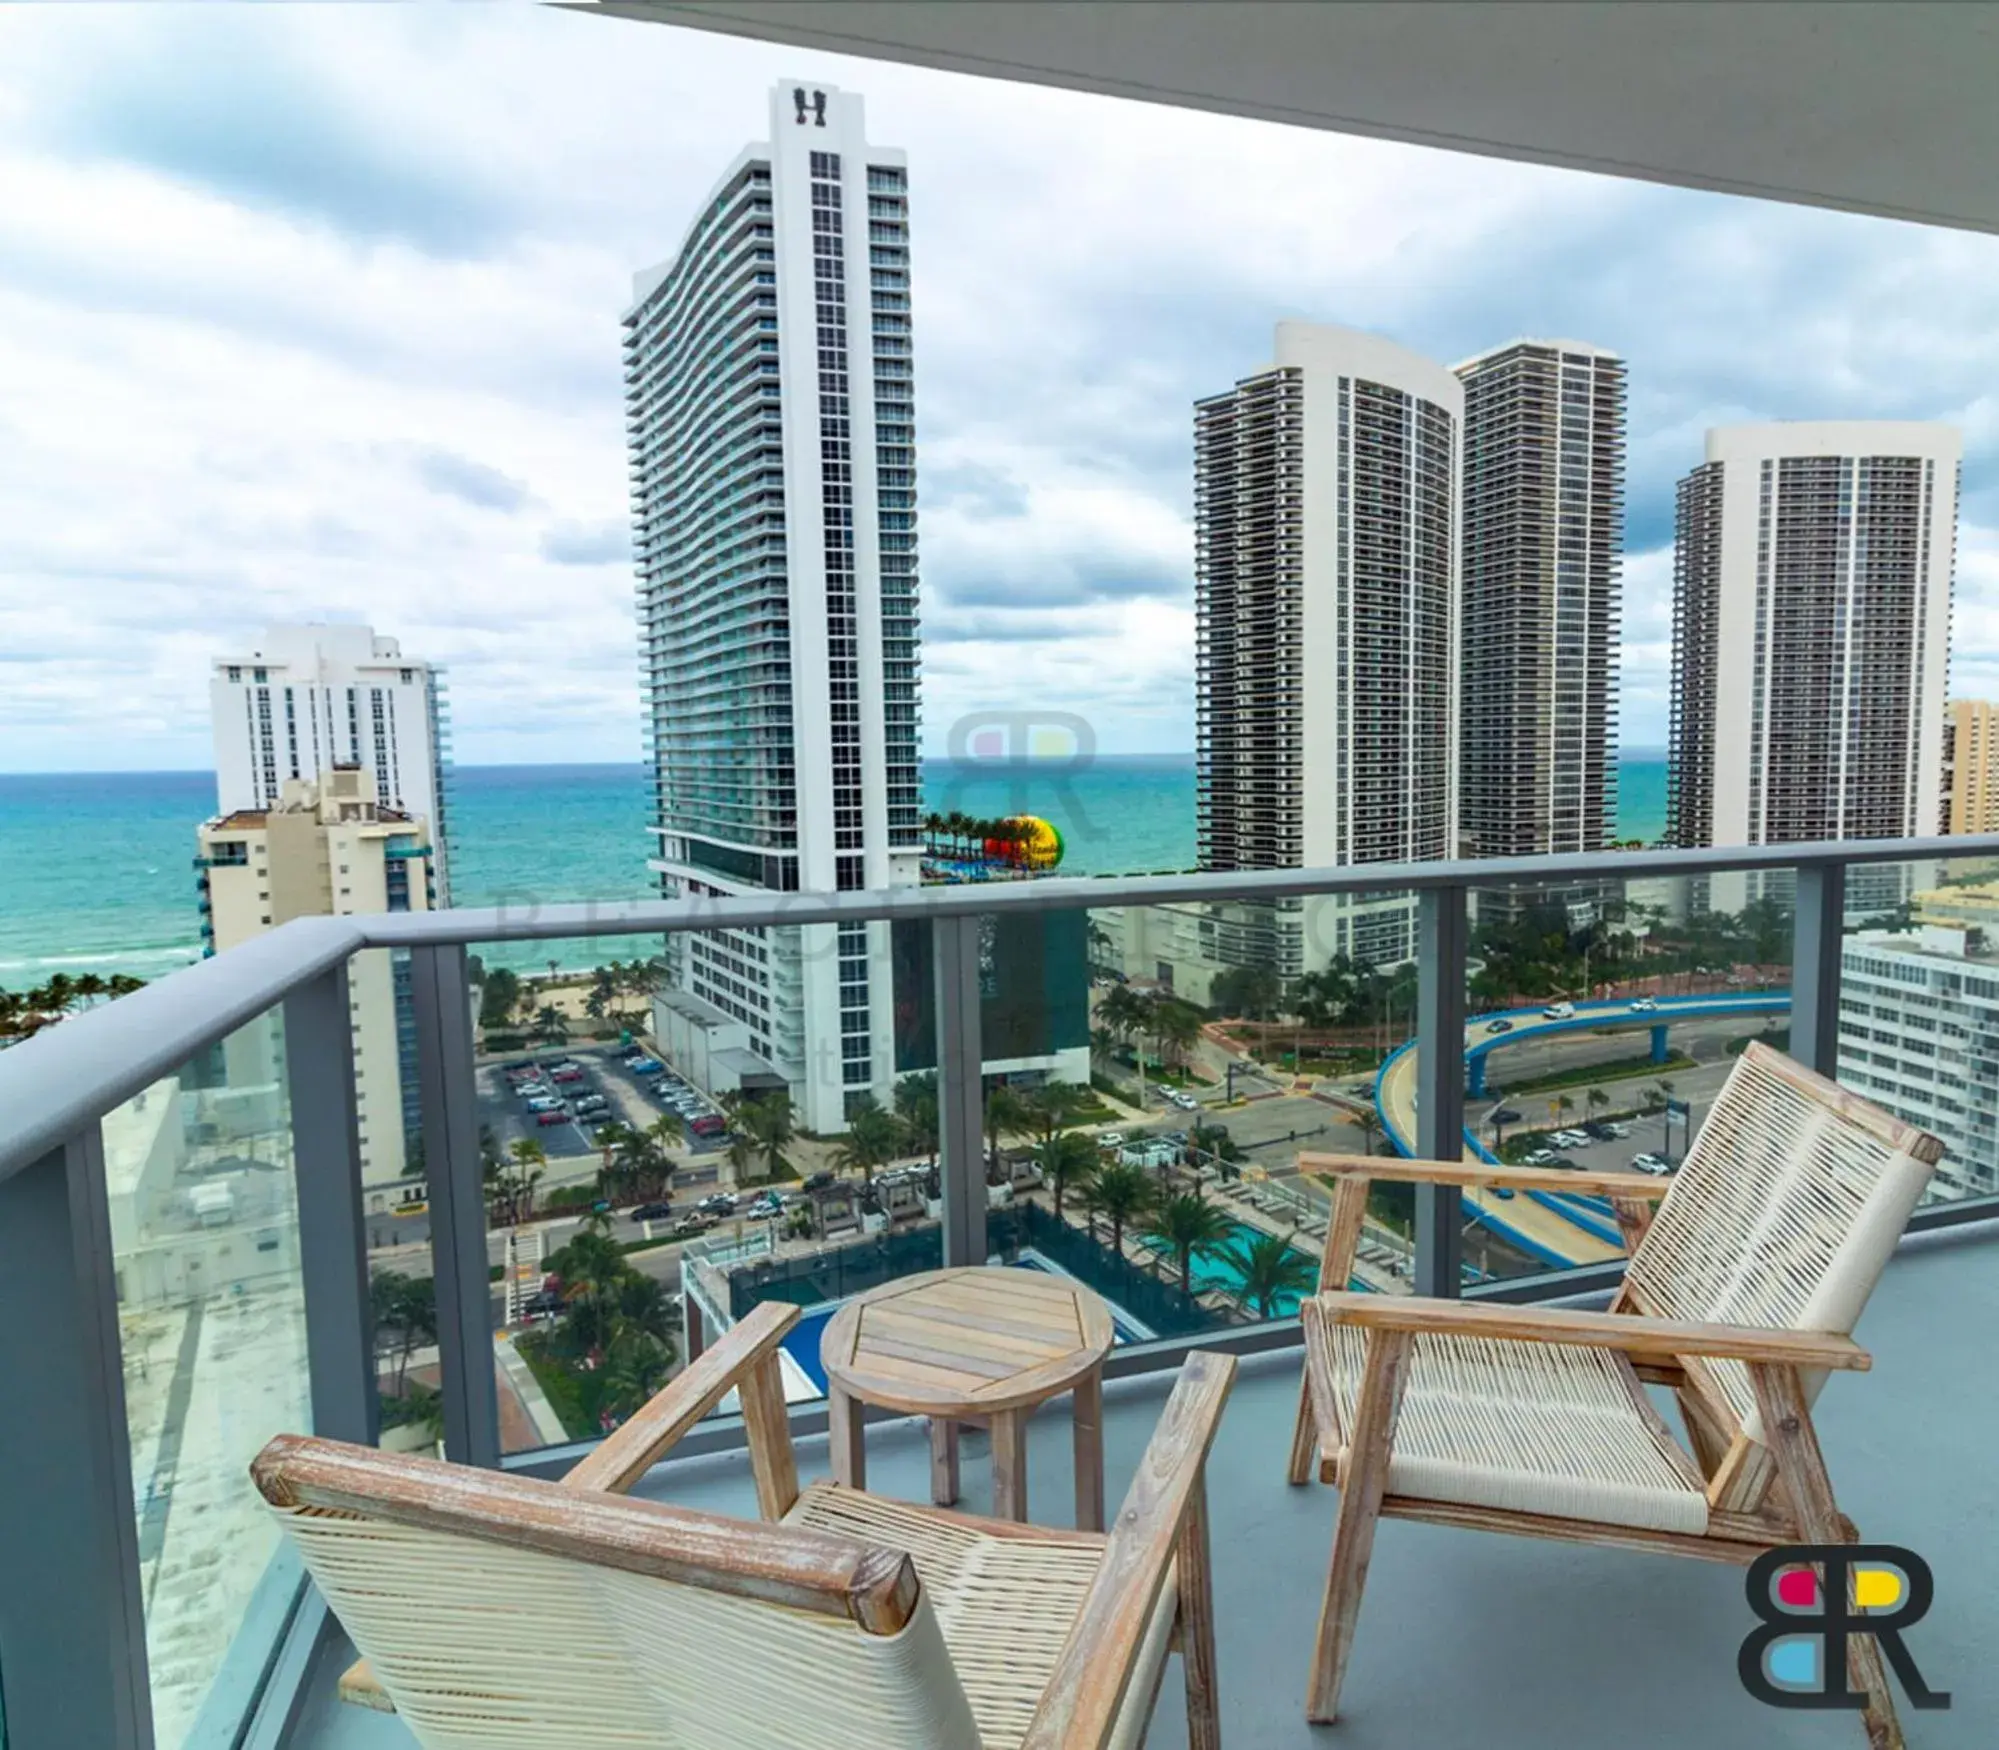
[[314, 312]]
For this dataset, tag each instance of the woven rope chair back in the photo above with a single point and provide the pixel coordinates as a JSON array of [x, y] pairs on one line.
[[1783, 1214], [483, 1646]]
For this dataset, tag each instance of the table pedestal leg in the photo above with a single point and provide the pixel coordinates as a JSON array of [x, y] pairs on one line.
[[943, 1461], [1088, 1411], [843, 1426], [1009, 1430]]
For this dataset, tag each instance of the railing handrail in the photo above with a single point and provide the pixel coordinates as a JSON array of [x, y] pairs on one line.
[[503, 923], [70, 1074]]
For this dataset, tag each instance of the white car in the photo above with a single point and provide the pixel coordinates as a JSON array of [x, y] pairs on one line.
[[1649, 1163], [1569, 1139], [1186, 1102], [1645, 1006], [1110, 1139], [1559, 1012]]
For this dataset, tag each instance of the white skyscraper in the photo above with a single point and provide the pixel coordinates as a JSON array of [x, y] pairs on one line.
[[308, 698], [1811, 632], [1326, 658], [769, 410]]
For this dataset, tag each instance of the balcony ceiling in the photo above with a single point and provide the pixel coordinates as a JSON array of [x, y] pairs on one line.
[[1869, 107]]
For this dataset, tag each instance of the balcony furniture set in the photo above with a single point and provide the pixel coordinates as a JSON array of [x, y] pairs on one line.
[[495, 1610]]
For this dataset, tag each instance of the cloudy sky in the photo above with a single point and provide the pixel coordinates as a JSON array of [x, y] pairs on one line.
[[313, 313]]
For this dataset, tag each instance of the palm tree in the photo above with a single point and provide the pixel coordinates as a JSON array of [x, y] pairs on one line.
[[1596, 1099], [635, 1367], [1065, 1159], [1051, 1108], [1187, 1223], [1271, 1270], [741, 1155], [1564, 1105], [916, 1111], [873, 1136], [1120, 1194], [1006, 1114], [1369, 1121], [668, 1130], [550, 1027], [1174, 1026], [529, 1159], [767, 1120]]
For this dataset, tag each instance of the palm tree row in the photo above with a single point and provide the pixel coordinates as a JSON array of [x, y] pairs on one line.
[[958, 834], [637, 1167], [26, 1012], [1170, 1023]]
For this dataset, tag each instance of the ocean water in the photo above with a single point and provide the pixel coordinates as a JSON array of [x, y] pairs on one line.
[[97, 869]]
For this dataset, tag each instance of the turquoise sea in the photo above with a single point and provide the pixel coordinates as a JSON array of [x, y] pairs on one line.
[[97, 869]]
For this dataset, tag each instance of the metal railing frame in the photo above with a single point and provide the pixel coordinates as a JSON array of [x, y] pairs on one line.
[[71, 1617]]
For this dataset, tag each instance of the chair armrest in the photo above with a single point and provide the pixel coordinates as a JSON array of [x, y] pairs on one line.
[[1476, 1175], [1080, 1706], [635, 1447], [1631, 1334]]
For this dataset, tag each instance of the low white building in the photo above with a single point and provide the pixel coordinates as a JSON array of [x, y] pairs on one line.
[[1919, 1034]]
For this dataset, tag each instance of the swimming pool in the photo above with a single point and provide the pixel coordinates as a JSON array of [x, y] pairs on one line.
[[1218, 1271]]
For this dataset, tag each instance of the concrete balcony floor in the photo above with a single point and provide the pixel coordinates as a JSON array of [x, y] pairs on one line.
[[1467, 1639]]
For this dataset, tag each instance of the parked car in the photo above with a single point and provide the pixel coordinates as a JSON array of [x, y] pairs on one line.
[[1569, 1139], [1559, 1012], [1598, 1131], [1649, 1163], [1502, 1192], [544, 1103], [711, 1124], [1617, 1130], [1185, 1101], [1110, 1139], [819, 1181], [646, 1066], [689, 1226], [1562, 1163], [1176, 1137], [553, 1115], [571, 1074], [1540, 1157], [1501, 1025], [653, 1212], [1645, 1006]]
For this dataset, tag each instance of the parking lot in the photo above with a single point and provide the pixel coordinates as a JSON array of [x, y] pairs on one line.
[[591, 1087]]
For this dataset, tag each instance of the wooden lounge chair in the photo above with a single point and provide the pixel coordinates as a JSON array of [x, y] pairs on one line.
[[1746, 1273], [494, 1610]]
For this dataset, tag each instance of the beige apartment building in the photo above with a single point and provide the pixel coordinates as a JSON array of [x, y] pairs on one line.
[[1970, 782], [325, 849]]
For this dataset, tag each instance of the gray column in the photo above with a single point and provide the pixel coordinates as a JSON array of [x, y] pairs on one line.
[[1442, 945], [960, 1089], [1818, 939], [457, 1204], [333, 1251], [72, 1616]]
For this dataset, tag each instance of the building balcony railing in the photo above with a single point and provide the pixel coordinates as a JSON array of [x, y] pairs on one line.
[[195, 1187]]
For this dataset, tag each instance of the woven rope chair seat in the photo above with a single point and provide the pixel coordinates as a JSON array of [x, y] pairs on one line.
[[1005, 1604], [1527, 1427]]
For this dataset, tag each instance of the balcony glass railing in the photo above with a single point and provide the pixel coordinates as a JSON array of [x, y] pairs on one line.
[[198, 1188]]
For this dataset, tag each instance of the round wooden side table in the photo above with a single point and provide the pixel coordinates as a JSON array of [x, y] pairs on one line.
[[983, 1345]]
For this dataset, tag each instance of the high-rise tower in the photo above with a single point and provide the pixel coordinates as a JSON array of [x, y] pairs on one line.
[[769, 410], [1543, 530], [1326, 655], [1811, 622], [309, 698]]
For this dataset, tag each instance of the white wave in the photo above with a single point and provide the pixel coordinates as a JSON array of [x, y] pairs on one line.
[[115, 957]]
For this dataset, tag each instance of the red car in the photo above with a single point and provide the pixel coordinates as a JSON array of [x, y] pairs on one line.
[[568, 1075], [557, 1117]]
